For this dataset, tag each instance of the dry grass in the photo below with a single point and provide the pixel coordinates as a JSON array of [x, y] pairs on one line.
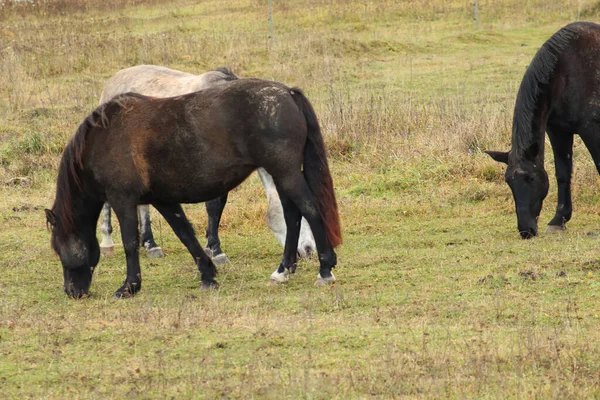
[[437, 297]]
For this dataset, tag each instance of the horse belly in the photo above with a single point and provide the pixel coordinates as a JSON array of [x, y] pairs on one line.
[[197, 186]]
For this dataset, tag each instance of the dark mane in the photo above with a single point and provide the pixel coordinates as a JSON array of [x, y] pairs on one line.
[[538, 75], [119, 99], [229, 76], [71, 166]]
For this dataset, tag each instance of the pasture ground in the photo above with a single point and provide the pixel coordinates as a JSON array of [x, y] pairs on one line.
[[436, 294]]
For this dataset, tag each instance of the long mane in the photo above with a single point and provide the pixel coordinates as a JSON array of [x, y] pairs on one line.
[[69, 180], [537, 76]]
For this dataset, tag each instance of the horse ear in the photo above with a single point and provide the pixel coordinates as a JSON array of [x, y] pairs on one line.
[[50, 217], [500, 156], [532, 151]]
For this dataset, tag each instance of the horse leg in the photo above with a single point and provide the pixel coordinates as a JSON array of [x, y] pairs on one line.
[[276, 219], [152, 249], [128, 219], [107, 247], [296, 188], [306, 244], [293, 217], [562, 146], [176, 218], [214, 209]]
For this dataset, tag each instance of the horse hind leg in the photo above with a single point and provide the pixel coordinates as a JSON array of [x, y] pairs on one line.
[[214, 210], [296, 188], [176, 218], [276, 219], [292, 217], [107, 246], [152, 249]]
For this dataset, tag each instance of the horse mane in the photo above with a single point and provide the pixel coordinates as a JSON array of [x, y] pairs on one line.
[[229, 76], [537, 76], [69, 179]]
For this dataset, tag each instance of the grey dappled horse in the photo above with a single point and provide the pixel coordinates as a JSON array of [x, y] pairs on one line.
[[157, 81]]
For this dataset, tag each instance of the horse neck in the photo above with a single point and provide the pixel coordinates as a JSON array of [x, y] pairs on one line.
[[529, 127]]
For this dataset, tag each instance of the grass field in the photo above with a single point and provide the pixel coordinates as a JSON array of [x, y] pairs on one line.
[[437, 297]]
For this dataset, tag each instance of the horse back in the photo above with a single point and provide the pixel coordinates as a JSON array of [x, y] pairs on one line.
[[157, 81], [214, 138], [575, 84]]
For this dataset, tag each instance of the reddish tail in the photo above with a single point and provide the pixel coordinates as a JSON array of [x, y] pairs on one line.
[[316, 171]]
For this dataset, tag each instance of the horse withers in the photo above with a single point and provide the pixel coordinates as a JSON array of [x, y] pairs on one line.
[[559, 95], [192, 148], [157, 81]]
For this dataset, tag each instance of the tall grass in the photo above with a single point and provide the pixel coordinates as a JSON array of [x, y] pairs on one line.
[[392, 81], [436, 298], [49, 8]]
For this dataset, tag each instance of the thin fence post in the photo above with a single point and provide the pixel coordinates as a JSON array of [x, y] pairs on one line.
[[476, 14], [271, 19]]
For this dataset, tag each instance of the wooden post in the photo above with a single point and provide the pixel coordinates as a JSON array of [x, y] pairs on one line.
[[271, 19]]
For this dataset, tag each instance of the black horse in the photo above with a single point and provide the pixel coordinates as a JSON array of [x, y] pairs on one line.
[[560, 95], [188, 149]]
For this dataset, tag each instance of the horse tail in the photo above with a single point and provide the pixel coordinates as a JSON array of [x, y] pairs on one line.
[[316, 170]]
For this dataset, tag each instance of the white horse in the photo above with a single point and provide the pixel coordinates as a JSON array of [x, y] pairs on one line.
[[156, 81]]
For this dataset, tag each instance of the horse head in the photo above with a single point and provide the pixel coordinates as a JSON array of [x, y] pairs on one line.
[[529, 184], [79, 254]]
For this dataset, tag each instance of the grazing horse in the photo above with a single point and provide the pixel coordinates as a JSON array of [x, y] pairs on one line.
[[156, 81], [560, 95], [187, 149]]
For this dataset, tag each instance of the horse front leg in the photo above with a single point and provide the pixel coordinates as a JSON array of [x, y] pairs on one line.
[[562, 147], [176, 218], [292, 217], [152, 249], [128, 219], [214, 209], [107, 247]]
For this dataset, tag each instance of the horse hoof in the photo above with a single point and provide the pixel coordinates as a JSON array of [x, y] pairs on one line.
[[555, 228], [325, 281], [107, 251], [122, 294], [209, 285], [155, 252], [220, 259], [279, 278]]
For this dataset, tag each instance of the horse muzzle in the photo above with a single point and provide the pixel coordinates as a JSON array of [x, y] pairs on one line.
[[77, 282]]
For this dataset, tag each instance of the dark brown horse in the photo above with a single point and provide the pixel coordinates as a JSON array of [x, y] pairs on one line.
[[560, 95], [189, 149]]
